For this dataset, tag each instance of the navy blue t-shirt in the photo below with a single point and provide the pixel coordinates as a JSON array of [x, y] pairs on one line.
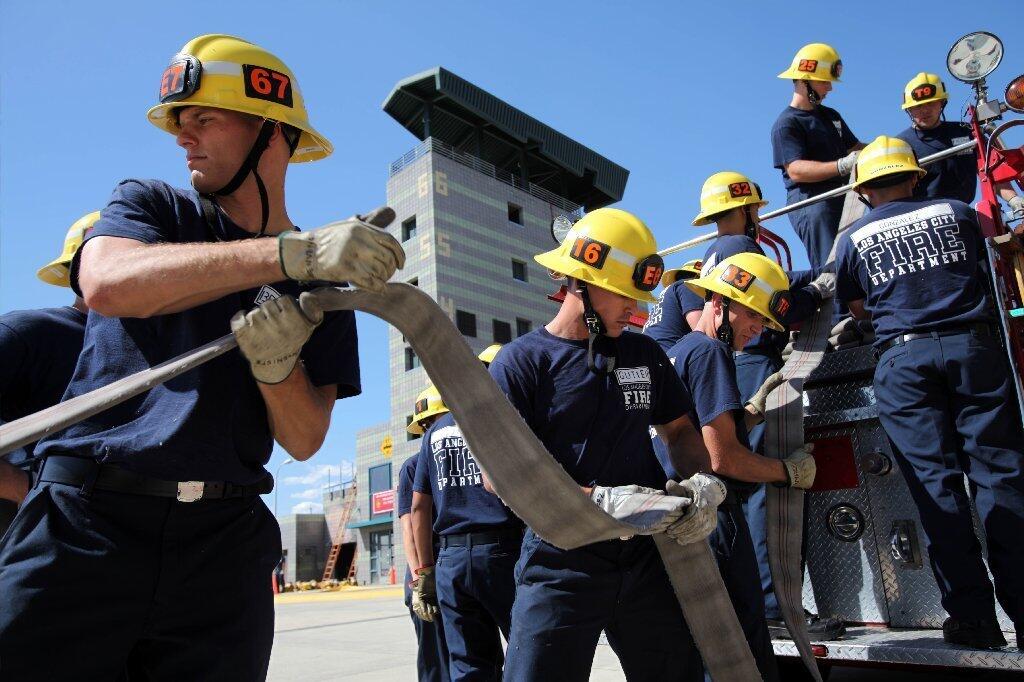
[[918, 265], [39, 350], [706, 367], [447, 471], [817, 135], [406, 478], [667, 323], [209, 424], [595, 426], [955, 177]]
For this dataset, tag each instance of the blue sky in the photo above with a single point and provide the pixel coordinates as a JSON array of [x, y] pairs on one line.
[[673, 91]]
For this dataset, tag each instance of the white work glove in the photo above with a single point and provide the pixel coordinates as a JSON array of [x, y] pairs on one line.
[[272, 335], [648, 510], [850, 333], [1017, 204], [824, 285], [757, 402], [800, 468], [706, 493], [846, 164], [787, 350], [354, 250]]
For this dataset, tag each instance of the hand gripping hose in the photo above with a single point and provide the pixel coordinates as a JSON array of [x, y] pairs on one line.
[[521, 470], [784, 433]]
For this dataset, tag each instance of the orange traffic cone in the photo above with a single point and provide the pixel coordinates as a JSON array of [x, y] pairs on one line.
[[393, 576], [273, 583]]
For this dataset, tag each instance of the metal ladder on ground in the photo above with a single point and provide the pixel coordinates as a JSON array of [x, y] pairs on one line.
[[332, 557]]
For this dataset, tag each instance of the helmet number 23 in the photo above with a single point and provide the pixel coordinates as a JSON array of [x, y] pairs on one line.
[[590, 252], [267, 84]]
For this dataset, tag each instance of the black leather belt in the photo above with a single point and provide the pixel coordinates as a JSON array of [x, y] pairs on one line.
[[87, 473], [975, 329], [485, 537]]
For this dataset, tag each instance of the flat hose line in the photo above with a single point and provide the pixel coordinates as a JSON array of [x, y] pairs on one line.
[[784, 433], [523, 473]]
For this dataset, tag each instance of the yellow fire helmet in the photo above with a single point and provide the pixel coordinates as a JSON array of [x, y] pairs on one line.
[[487, 354], [885, 156], [689, 270], [724, 191], [752, 280], [924, 88], [611, 249], [225, 72], [428, 404], [815, 62], [58, 271]]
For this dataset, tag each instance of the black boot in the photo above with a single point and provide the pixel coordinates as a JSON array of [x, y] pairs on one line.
[[818, 629], [977, 634]]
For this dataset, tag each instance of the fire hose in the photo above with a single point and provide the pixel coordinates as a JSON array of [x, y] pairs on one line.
[[523, 473]]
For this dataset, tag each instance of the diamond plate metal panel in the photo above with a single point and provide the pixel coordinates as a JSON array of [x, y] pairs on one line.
[[909, 647], [843, 364]]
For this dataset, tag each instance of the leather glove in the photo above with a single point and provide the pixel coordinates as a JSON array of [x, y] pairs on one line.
[[706, 493], [846, 164], [354, 250], [272, 335], [760, 398], [424, 595], [850, 333], [1017, 205], [648, 510], [787, 350], [800, 468], [824, 286]]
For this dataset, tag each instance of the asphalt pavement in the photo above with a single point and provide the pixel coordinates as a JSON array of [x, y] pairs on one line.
[[366, 635]]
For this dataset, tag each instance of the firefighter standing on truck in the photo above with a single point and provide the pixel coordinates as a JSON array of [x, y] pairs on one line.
[[591, 392], [814, 148], [943, 384], [480, 539], [147, 515], [432, 649], [743, 294], [40, 349], [956, 177]]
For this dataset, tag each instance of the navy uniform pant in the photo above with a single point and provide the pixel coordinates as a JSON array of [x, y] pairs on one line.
[[949, 409], [475, 590], [432, 650], [94, 582], [751, 371], [730, 542], [816, 226], [565, 598]]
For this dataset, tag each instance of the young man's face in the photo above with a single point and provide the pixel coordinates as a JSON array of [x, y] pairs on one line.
[[926, 116], [746, 324], [822, 88], [216, 142], [614, 309]]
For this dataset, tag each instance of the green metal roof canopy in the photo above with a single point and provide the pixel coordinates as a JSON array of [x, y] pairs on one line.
[[439, 104]]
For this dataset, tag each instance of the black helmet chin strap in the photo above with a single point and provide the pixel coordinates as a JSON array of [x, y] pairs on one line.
[[863, 200], [750, 229], [595, 334], [725, 332], [249, 166], [812, 95]]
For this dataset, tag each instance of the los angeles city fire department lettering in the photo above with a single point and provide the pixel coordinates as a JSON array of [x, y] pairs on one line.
[[456, 466], [909, 243], [635, 383]]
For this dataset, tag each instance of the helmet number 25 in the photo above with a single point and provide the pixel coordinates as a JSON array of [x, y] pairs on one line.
[[267, 84]]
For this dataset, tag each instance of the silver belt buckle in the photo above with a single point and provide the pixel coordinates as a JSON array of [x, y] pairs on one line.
[[190, 491]]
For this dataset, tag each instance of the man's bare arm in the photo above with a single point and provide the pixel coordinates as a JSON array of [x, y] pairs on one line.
[[803, 170], [122, 277], [409, 541], [685, 446], [730, 458], [299, 413], [14, 483], [857, 309], [422, 529]]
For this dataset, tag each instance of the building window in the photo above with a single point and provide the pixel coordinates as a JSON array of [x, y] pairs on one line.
[[502, 331], [523, 326], [518, 270], [380, 481], [411, 361], [515, 214], [408, 229], [466, 322]]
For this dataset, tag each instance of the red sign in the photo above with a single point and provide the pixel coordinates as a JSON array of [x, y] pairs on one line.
[[382, 502]]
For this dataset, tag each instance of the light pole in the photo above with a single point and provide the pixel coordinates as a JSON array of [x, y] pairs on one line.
[[277, 475]]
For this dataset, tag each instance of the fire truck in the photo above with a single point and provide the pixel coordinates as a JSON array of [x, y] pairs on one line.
[[866, 559]]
